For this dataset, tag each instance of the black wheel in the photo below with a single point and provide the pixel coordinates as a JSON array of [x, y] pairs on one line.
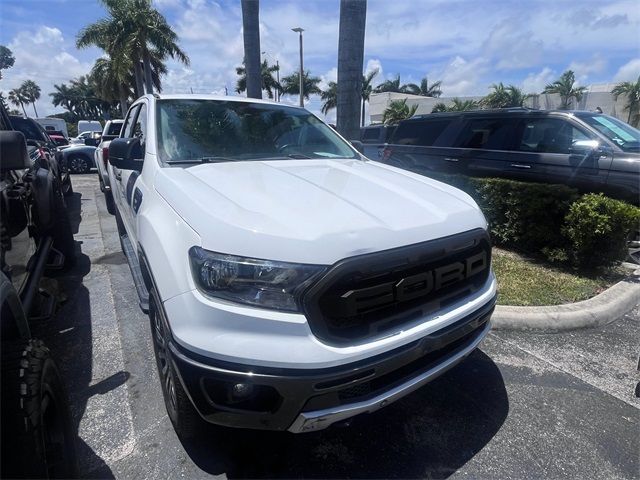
[[78, 164], [186, 420], [111, 206], [62, 233], [38, 437]]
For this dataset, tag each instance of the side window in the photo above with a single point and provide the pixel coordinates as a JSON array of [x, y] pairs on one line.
[[486, 134], [127, 127], [423, 133], [371, 134], [140, 127], [548, 135]]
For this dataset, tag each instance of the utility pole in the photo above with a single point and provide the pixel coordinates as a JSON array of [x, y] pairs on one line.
[[299, 31]]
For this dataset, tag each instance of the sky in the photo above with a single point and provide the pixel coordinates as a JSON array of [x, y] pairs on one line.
[[468, 44]]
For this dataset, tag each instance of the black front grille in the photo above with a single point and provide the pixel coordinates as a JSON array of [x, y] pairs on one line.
[[372, 294]]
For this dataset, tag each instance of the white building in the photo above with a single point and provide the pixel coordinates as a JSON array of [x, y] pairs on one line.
[[598, 95]]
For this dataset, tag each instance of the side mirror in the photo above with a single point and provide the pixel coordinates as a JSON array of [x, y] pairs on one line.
[[357, 144], [584, 147], [13, 151], [126, 153]]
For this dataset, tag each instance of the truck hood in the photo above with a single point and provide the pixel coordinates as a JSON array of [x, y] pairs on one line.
[[313, 211]]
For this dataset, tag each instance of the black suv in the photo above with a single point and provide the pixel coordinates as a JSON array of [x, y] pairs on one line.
[[587, 150]]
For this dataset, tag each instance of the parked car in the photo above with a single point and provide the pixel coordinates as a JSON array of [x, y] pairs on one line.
[[290, 282], [54, 124], [46, 147], [79, 158], [84, 137], [111, 130], [59, 140], [374, 138], [37, 431], [89, 126], [586, 150]]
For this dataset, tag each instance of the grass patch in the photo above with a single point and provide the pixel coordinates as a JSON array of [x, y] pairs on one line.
[[522, 281]]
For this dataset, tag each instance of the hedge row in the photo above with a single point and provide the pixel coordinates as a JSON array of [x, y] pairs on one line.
[[554, 221]]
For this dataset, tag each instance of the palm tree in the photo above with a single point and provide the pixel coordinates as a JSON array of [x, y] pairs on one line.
[[31, 92], [6, 59], [367, 89], [353, 16], [291, 85], [329, 97], [457, 105], [499, 98], [135, 29], [566, 88], [269, 83], [389, 86], [424, 89], [251, 35], [398, 110], [17, 98], [113, 79], [632, 91], [517, 97]]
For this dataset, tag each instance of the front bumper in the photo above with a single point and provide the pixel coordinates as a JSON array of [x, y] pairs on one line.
[[302, 400]]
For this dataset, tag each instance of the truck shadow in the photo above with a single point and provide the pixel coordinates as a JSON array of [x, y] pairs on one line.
[[69, 336], [429, 434]]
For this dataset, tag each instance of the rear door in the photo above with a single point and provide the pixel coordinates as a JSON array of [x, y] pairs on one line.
[[482, 146]]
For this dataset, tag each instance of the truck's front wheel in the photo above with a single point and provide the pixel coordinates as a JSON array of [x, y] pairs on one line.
[[183, 415]]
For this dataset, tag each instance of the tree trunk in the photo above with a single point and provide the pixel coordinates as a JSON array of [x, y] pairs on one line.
[[362, 123], [251, 35], [148, 79], [137, 70], [353, 15], [34, 109], [25, 112], [123, 101]]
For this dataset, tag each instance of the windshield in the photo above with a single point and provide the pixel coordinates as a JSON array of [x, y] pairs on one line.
[[29, 128], [198, 130], [620, 133]]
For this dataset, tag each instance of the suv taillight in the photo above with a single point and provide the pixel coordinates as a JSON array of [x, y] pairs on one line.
[[386, 154], [105, 156]]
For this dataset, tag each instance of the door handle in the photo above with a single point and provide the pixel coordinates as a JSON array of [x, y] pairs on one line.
[[449, 159], [518, 165], [118, 175]]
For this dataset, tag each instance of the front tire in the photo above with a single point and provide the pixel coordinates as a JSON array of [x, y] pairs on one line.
[[38, 437], [184, 417], [79, 164]]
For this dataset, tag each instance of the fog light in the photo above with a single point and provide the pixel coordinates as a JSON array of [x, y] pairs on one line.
[[242, 390]]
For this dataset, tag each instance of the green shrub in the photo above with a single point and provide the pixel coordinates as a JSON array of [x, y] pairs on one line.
[[598, 227]]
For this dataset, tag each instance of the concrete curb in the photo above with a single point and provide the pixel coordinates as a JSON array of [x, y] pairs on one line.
[[600, 310]]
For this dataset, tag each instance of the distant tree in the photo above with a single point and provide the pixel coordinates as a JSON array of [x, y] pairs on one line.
[[566, 87], [17, 98], [632, 91], [31, 92], [504, 97], [424, 89], [6, 59], [269, 82], [113, 79], [329, 98], [398, 110], [367, 89], [291, 85], [457, 105]]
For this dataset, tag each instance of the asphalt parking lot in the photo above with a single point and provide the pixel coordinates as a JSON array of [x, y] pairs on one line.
[[525, 405]]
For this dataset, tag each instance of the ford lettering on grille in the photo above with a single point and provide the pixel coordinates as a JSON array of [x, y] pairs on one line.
[[354, 302]]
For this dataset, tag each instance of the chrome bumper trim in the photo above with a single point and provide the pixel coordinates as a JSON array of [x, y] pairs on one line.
[[321, 419]]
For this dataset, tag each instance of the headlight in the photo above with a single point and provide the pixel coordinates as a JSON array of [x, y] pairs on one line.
[[261, 283]]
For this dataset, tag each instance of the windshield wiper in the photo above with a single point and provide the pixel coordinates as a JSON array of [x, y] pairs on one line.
[[205, 160]]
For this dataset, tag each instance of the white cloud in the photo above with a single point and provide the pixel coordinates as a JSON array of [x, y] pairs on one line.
[[34, 51], [461, 77], [512, 47], [629, 72], [535, 82]]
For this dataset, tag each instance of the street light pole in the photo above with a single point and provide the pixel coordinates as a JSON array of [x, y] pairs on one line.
[[300, 30]]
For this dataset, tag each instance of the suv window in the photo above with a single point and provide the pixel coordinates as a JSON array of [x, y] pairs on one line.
[[420, 132], [114, 129], [548, 135], [486, 134], [127, 128], [29, 129], [140, 127], [371, 134]]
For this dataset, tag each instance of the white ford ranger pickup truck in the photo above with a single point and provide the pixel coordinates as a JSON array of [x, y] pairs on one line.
[[290, 282]]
